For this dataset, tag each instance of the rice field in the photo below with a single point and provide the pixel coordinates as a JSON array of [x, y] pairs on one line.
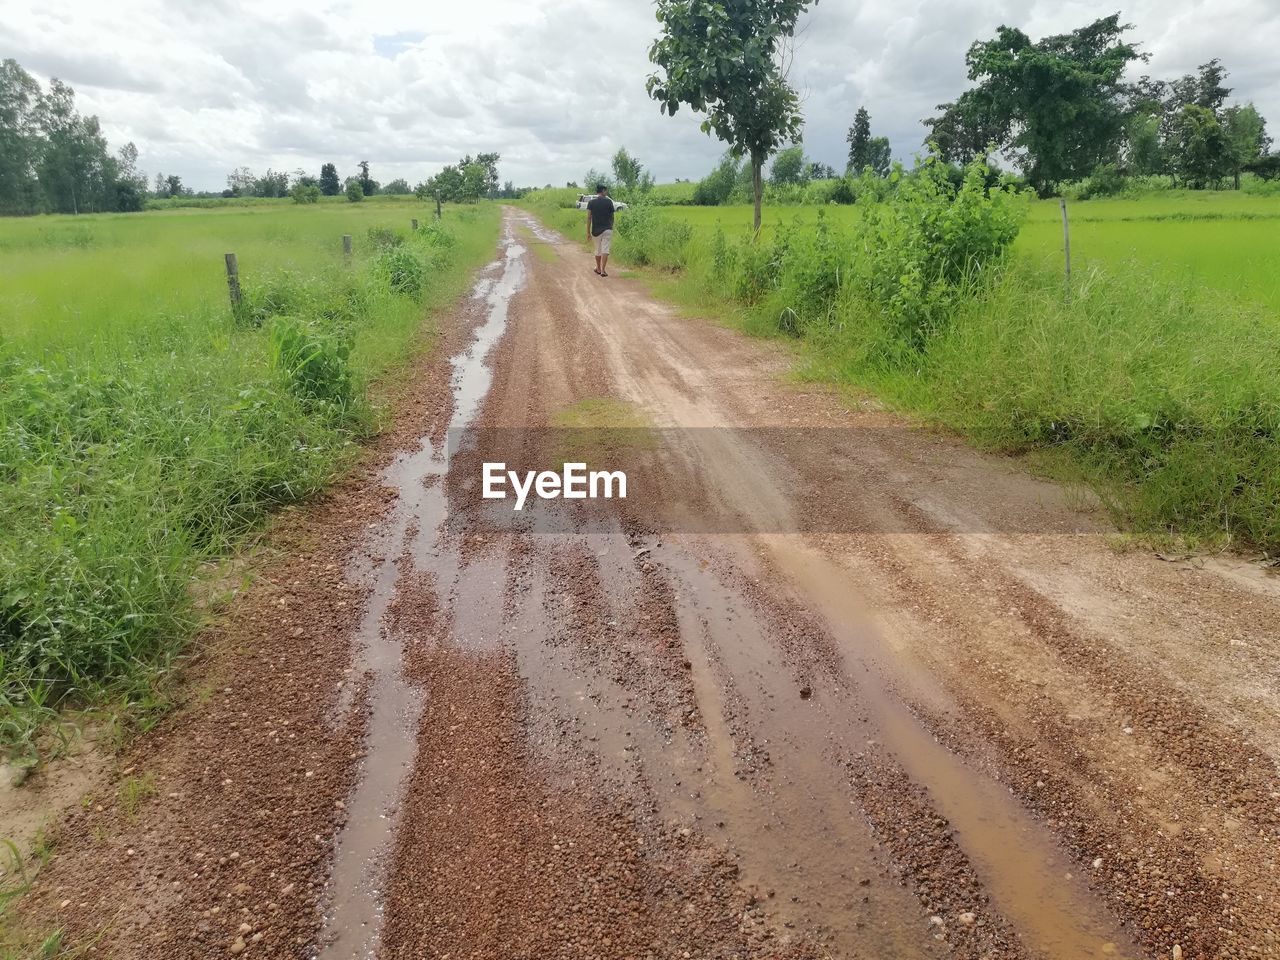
[[1226, 241]]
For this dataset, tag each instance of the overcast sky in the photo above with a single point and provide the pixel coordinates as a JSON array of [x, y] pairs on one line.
[[203, 86]]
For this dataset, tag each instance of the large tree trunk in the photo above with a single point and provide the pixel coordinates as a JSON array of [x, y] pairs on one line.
[[756, 164]]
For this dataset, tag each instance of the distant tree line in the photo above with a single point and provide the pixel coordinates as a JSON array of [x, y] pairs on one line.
[[55, 160], [1061, 109]]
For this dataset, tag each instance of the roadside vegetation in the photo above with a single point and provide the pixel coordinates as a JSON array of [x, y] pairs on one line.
[[1153, 374], [146, 427]]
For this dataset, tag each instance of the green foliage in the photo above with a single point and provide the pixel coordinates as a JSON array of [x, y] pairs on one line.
[[305, 193], [330, 185], [789, 166], [721, 58], [355, 192], [627, 169], [859, 139], [716, 187], [1063, 96], [1203, 148], [315, 362], [969, 126]]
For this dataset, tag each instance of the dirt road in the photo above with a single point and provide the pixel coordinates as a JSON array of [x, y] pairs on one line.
[[948, 719]]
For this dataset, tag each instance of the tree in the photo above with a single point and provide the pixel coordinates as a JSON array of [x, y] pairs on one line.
[[241, 182], [1246, 133], [724, 59], [967, 127], [330, 185], [20, 139], [399, 186], [626, 169], [859, 139], [355, 192], [1204, 151], [880, 156], [367, 183], [1063, 97], [593, 178], [75, 170], [788, 166], [173, 185], [1145, 153]]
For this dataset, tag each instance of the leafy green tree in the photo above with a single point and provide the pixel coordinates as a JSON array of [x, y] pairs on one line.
[[722, 58], [173, 185], [20, 139], [967, 127], [355, 192], [788, 166], [271, 184], [626, 169], [593, 178], [1204, 150], [859, 138], [1064, 96], [367, 183], [398, 187], [75, 170], [879, 156], [1144, 150], [330, 185], [475, 183], [1247, 136]]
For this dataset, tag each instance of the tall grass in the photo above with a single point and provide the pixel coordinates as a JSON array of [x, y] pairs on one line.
[[132, 453], [1159, 383]]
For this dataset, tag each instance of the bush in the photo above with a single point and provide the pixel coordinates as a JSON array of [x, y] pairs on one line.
[[316, 363], [403, 271], [915, 251], [355, 192], [305, 193]]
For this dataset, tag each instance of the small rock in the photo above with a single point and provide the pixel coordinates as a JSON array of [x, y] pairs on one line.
[[968, 918], [246, 928], [65, 904], [238, 946], [1097, 863], [806, 692], [1177, 951]]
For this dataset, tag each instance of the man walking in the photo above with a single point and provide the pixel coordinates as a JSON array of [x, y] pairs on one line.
[[600, 226]]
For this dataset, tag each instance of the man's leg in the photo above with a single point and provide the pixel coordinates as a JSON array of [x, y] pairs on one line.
[[597, 263], [604, 262]]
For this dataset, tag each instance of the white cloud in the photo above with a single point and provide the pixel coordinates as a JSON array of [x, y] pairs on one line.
[[553, 85]]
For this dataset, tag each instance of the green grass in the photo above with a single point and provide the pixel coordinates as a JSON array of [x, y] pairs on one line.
[[146, 430], [1156, 377]]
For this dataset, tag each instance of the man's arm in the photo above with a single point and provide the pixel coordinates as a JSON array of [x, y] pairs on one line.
[[588, 223]]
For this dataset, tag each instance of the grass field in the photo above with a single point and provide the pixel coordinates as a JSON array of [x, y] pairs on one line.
[[1155, 377], [145, 428]]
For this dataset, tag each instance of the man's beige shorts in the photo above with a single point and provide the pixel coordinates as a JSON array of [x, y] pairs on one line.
[[602, 243]]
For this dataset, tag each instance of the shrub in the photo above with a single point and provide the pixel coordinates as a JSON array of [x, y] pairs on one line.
[[305, 193], [355, 192], [315, 362], [403, 271]]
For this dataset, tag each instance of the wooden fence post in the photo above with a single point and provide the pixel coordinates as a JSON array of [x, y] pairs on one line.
[[413, 224], [346, 245], [1066, 241], [437, 206], [233, 282]]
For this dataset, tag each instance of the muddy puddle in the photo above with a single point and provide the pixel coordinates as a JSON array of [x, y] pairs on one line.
[[413, 529]]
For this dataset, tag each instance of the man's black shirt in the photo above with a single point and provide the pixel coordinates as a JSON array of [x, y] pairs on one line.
[[601, 214]]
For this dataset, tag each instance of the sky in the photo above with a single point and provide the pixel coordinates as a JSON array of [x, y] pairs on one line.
[[554, 86]]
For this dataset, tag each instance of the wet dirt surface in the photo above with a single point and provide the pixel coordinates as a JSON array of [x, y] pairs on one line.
[[956, 732]]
